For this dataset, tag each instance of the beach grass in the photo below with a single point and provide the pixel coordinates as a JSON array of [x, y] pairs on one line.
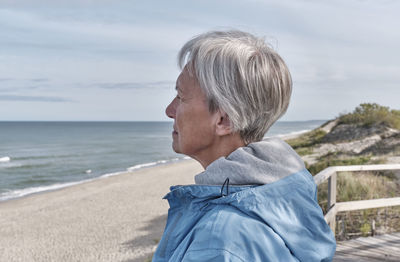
[[307, 140]]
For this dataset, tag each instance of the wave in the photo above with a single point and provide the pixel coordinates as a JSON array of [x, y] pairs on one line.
[[6, 163], [132, 168], [12, 194], [159, 162], [141, 166], [290, 135], [5, 159], [41, 157], [11, 165], [32, 190]]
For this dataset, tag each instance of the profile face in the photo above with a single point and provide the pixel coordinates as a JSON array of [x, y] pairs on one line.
[[194, 125]]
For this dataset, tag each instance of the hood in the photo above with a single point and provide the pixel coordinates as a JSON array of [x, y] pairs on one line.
[[288, 206], [269, 184], [258, 163]]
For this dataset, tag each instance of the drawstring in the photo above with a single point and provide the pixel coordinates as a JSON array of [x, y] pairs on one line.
[[227, 187]]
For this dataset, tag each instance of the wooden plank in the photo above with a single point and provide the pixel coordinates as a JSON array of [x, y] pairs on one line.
[[366, 204], [389, 237], [363, 255], [353, 258], [384, 238], [362, 250], [378, 248], [332, 190], [330, 214], [330, 218], [367, 167], [327, 172], [370, 257], [381, 244], [324, 175]]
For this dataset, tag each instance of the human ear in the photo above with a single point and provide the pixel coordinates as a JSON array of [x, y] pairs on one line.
[[223, 124]]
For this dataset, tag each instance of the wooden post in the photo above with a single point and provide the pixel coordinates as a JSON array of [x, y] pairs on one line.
[[332, 197], [373, 227]]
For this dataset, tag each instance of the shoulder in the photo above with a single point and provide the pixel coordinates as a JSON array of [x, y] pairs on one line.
[[228, 232]]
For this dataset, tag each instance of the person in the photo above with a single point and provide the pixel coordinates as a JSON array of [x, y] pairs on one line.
[[255, 200]]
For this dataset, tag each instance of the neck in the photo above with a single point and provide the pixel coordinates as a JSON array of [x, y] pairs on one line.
[[223, 147]]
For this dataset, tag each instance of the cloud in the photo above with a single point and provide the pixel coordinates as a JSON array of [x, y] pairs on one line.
[[19, 85], [33, 98], [39, 79], [37, 30], [34, 80], [136, 85], [54, 3], [6, 79]]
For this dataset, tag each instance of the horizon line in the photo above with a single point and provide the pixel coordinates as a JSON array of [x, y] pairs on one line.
[[128, 121]]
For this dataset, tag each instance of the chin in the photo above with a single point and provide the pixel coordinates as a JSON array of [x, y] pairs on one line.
[[175, 148]]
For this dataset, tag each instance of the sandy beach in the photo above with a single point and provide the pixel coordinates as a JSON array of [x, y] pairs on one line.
[[119, 218]]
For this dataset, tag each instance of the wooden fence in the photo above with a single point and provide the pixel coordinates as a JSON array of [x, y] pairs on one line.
[[334, 207]]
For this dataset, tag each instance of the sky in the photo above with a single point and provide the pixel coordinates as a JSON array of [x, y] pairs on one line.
[[81, 60]]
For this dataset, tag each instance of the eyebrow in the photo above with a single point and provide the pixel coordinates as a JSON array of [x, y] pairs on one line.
[[177, 88]]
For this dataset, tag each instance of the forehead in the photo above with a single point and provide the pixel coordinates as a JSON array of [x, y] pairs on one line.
[[187, 82]]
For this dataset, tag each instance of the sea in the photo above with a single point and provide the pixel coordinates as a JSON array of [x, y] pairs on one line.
[[43, 156]]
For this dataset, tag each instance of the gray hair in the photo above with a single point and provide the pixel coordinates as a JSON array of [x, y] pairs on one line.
[[242, 76]]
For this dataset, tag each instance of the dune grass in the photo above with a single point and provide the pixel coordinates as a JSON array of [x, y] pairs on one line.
[[333, 159], [353, 186], [308, 139]]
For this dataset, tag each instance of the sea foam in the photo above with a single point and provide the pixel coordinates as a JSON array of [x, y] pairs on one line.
[[5, 159], [290, 135], [32, 190], [159, 162]]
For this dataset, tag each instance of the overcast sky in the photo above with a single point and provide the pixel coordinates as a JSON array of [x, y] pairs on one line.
[[116, 60]]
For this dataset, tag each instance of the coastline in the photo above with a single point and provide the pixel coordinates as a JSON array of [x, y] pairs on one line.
[[120, 218], [115, 217], [24, 192]]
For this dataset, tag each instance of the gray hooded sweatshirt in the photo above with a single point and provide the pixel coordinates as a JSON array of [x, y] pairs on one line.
[[258, 163]]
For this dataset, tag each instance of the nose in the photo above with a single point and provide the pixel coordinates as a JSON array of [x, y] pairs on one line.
[[171, 109]]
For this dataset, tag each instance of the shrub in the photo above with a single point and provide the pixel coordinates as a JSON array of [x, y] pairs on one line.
[[365, 229], [372, 114]]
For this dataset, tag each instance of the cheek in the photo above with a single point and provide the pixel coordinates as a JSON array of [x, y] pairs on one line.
[[194, 123], [194, 128]]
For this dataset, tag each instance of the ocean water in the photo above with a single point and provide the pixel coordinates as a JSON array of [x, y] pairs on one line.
[[41, 156]]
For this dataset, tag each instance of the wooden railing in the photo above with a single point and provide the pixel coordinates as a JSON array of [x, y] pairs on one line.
[[334, 207]]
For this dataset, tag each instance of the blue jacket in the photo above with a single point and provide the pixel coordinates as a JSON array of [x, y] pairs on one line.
[[279, 221]]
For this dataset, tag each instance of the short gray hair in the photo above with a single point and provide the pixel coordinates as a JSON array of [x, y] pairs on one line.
[[242, 76]]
